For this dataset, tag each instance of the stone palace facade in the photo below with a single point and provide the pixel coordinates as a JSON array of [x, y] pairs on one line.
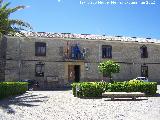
[[57, 59]]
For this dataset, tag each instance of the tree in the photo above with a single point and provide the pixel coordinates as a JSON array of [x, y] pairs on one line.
[[11, 26], [108, 68]]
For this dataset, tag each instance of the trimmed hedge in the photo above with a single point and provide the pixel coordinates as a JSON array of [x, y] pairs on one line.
[[88, 89], [12, 88], [95, 89], [149, 88]]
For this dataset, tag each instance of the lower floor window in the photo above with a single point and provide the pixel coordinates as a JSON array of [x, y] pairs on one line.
[[39, 69], [105, 75], [144, 71]]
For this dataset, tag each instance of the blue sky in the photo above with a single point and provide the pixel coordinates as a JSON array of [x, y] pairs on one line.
[[72, 17]]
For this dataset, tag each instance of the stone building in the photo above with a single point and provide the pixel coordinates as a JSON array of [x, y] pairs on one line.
[[57, 59]]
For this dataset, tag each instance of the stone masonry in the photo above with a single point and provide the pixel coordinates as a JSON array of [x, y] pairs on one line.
[[18, 59]]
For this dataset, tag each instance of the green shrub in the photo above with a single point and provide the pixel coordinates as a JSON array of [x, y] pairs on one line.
[[88, 89], [149, 88], [95, 89], [74, 88], [12, 88]]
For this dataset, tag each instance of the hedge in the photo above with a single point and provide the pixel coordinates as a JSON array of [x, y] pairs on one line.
[[12, 88], [95, 89], [149, 88], [88, 89]]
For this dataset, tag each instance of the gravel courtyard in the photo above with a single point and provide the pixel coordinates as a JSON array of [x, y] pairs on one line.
[[61, 105]]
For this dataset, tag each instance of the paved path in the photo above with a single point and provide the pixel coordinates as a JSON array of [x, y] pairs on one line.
[[61, 105]]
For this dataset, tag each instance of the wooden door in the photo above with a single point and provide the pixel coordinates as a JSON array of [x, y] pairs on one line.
[[71, 73]]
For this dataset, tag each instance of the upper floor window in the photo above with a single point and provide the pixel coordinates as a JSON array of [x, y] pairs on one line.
[[40, 49], [144, 52], [106, 51]]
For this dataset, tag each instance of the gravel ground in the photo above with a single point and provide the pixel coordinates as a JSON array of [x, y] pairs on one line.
[[61, 105]]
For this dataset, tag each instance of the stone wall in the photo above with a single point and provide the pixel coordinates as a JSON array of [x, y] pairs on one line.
[[21, 60], [3, 47]]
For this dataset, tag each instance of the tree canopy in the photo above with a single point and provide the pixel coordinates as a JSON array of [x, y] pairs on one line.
[[108, 68], [11, 26]]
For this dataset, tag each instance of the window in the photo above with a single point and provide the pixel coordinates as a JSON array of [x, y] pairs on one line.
[[144, 52], [105, 75], [106, 51], [39, 69], [40, 49], [144, 70]]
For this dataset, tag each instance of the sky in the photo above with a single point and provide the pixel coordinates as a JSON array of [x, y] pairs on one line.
[[123, 18]]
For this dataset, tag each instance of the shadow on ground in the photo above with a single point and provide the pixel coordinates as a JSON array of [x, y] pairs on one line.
[[58, 89], [27, 99]]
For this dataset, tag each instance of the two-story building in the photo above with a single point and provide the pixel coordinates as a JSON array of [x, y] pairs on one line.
[[57, 59]]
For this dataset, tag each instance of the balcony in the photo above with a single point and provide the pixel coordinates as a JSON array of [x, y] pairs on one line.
[[74, 53]]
